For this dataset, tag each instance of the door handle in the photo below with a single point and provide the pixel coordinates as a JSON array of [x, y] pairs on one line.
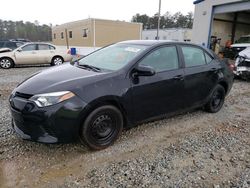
[[33, 52], [179, 77]]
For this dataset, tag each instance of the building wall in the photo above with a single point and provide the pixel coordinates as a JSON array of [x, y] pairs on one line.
[[100, 32], [168, 34], [203, 19], [108, 32], [77, 32]]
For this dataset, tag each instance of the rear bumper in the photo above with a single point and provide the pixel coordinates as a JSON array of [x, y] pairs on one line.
[[59, 123]]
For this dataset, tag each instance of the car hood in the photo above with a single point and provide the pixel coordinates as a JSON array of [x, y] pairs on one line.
[[65, 77], [245, 53], [240, 45], [3, 50]]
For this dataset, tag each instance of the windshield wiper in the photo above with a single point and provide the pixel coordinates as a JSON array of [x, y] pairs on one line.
[[96, 69]]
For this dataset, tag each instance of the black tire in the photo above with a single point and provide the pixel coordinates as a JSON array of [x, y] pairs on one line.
[[6, 63], [57, 60], [217, 99], [102, 127]]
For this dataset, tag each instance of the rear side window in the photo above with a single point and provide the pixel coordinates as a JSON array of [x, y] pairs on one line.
[[19, 44], [193, 56], [52, 47], [1, 44], [43, 47], [162, 59], [11, 45]]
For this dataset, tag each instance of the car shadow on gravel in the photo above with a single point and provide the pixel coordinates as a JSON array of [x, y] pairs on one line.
[[70, 150], [31, 66]]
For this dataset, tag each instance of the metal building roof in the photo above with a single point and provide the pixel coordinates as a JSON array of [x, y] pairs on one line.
[[198, 1]]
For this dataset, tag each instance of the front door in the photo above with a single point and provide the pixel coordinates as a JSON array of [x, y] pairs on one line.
[[162, 93], [27, 55]]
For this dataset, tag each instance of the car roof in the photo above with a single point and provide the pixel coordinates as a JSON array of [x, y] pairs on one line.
[[162, 42], [38, 43], [154, 42], [7, 41]]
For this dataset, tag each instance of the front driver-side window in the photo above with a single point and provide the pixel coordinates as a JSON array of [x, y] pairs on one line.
[[29, 47], [162, 59], [193, 56]]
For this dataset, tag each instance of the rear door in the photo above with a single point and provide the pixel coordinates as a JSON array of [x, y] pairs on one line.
[[45, 52], [27, 55], [200, 74], [161, 93]]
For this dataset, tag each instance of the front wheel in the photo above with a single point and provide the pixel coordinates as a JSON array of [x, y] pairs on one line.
[[102, 127], [57, 61], [6, 63], [217, 100]]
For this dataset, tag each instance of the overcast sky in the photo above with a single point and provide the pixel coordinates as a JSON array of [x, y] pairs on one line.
[[62, 11]]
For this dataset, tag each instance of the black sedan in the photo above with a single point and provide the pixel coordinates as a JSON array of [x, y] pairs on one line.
[[117, 87]]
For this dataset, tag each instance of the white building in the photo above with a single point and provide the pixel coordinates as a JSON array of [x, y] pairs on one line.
[[176, 34], [225, 19]]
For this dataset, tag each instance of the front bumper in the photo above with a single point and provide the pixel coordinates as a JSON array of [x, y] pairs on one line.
[[242, 71], [52, 124]]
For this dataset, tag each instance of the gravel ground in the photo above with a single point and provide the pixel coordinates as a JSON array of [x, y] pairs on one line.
[[197, 149]]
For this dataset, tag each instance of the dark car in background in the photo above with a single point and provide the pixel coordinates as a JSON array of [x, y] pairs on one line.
[[118, 87], [9, 45]]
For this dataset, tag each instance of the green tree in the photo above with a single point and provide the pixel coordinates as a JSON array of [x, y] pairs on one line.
[[28, 30], [166, 21], [144, 19]]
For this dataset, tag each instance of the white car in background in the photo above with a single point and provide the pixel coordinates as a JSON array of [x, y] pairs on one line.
[[242, 64], [34, 53]]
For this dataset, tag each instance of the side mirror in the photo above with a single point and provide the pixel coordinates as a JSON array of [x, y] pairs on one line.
[[143, 70], [19, 50]]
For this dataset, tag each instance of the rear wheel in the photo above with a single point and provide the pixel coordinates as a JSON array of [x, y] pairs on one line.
[[102, 127], [217, 100], [6, 63], [57, 61]]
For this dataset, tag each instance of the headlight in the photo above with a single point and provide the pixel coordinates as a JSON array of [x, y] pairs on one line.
[[48, 99]]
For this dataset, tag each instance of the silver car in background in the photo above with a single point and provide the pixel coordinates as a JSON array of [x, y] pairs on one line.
[[242, 64], [34, 53]]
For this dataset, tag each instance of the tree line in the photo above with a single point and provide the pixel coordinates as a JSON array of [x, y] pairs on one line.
[[167, 20], [27, 30]]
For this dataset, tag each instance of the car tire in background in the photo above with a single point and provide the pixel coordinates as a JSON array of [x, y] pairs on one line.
[[57, 60], [102, 127], [216, 101], [6, 63]]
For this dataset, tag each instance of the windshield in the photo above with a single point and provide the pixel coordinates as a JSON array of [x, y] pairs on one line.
[[244, 40], [113, 57]]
